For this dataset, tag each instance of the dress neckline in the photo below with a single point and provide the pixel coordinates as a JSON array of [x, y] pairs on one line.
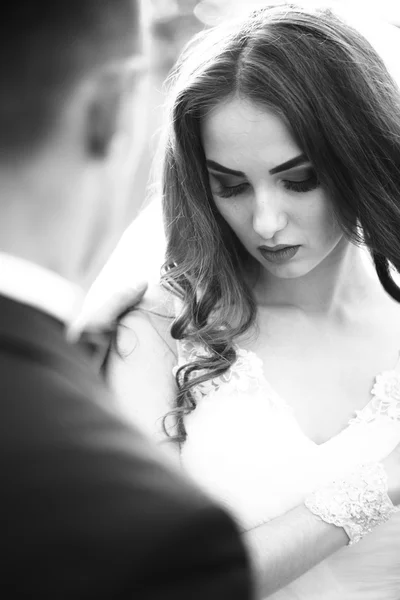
[[247, 373], [385, 400]]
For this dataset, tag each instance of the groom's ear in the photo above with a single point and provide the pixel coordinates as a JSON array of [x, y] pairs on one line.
[[112, 87]]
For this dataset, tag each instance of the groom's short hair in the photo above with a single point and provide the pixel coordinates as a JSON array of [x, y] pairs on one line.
[[49, 46]]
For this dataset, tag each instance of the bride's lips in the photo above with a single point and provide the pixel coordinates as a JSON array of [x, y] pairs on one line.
[[278, 254]]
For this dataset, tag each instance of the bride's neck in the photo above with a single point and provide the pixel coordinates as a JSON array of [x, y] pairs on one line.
[[344, 279]]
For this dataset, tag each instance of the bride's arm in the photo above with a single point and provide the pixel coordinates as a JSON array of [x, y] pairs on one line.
[[140, 372], [288, 546]]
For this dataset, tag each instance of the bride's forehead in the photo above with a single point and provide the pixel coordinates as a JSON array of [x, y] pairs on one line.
[[239, 114], [239, 128]]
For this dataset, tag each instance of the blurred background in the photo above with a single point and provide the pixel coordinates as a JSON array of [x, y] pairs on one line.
[[172, 23]]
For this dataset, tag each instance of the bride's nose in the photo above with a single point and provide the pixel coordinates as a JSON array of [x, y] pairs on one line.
[[269, 216]]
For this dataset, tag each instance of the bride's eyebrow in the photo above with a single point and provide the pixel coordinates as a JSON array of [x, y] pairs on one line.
[[211, 164], [301, 159]]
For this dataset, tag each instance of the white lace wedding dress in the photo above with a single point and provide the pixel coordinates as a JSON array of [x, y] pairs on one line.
[[246, 449]]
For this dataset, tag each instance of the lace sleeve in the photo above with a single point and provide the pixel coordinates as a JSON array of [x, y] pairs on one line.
[[358, 502]]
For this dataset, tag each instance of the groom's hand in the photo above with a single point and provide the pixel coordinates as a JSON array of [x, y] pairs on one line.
[[102, 316]]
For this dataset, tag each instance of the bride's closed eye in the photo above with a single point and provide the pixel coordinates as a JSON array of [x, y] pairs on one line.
[[305, 182], [224, 191]]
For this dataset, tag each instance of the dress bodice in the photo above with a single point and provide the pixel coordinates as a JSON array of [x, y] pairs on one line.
[[245, 447]]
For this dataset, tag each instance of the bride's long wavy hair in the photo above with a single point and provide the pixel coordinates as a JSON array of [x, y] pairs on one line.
[[333, 89]]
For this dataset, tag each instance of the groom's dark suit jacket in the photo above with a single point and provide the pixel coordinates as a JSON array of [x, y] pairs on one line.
[[87, 508]]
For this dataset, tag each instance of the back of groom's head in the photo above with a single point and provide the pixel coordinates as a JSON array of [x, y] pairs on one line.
[[47, 46], [71, 122]]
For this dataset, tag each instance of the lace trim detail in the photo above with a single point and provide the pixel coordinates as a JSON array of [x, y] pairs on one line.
[[385, 401], [246, 373], [358, 503]]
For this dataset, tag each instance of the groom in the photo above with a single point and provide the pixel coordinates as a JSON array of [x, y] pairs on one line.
[[88, 509]]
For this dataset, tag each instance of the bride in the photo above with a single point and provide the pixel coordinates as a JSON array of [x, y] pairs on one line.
[[256, 356]]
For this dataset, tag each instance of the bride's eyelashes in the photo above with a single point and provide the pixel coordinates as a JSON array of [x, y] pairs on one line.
[[300, 185], [303, 185], [224, 191]]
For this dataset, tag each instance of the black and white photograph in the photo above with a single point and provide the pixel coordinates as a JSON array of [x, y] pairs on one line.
[[200, 300]]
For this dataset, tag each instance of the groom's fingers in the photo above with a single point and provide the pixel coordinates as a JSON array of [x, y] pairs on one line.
[[102, 315]]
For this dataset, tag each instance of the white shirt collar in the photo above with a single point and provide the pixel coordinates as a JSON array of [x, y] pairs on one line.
[[36, 286]]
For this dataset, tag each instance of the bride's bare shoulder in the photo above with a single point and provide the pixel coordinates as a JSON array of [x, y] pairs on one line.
[[159, 302]]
